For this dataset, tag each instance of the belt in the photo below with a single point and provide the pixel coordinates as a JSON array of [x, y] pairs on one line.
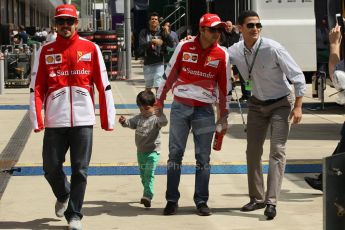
[[266, 102]]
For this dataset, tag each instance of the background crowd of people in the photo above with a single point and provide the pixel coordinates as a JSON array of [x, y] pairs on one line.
[[21, 36]]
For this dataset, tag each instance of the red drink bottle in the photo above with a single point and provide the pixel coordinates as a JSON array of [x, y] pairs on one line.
[[218, 138]]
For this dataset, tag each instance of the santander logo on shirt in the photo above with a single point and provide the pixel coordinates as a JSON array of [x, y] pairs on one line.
[[198, 72], [67, 72]]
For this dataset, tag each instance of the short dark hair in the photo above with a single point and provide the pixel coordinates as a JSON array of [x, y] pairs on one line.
[[146, 98], [153, 14], [246, 14]]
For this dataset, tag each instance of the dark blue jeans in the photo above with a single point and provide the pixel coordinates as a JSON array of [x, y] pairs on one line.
[[201, 121], [56, 142]]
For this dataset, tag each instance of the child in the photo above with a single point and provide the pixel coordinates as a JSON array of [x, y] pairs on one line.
[[147, 127]]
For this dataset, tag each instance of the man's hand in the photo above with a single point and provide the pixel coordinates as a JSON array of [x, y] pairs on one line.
[[157, 42], [296, 115], [223, 121], [334, 49], [122, 120], [335, 35], [166, 29]]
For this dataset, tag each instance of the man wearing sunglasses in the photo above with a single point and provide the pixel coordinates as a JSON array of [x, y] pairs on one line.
[[198, 74], [266, 67], [63, 78]]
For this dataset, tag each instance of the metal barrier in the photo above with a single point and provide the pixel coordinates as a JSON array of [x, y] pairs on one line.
[[318, 88], [110, 61], [107, 41], [17, 65]]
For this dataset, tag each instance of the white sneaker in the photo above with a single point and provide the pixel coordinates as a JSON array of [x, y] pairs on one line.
[[74, 224], [60, 207]]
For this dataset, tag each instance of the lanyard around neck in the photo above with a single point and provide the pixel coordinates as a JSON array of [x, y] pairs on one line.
[[250, 68]]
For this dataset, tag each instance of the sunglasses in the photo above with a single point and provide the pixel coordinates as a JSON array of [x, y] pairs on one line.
[[62, 21], [252, 25], [214, 30]]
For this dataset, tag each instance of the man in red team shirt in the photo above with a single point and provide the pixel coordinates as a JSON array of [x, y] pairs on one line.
[[198, 75], [63, 78]]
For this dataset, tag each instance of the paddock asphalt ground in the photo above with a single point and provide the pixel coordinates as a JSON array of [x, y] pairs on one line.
[[114, 187]]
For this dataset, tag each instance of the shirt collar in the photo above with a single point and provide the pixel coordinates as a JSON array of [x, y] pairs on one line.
[[253, 49]]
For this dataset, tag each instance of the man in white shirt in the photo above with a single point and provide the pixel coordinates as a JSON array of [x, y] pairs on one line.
[[52, 34], [44, 33], [266, 67]]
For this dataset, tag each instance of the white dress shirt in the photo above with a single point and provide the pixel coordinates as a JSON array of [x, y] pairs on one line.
[[272, 67]]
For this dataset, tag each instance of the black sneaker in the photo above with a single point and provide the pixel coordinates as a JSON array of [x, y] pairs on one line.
[[170, 208], [203, 209], [252, 206], [315, 183]]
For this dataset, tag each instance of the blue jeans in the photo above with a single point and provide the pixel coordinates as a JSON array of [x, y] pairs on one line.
[[201, 121], [153, 75], [56, 142]]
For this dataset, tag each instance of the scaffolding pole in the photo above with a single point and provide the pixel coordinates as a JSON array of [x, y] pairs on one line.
[[128, 39]]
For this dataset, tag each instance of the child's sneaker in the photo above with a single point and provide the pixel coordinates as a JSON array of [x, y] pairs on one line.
[[145, 201]]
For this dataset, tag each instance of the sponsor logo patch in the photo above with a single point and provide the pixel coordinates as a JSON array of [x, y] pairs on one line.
[[190, 57], [211, 62], [58, 58], [53, 59], [186, 56], [49, 59], [83, 57]]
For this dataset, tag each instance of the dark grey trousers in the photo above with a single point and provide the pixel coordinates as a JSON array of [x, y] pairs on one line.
[[56, 142]]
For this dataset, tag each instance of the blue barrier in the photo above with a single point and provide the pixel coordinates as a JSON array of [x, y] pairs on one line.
[[161, 169]]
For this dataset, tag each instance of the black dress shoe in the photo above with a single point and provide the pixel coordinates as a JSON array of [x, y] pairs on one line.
[[170, 208], [251, 206], [315, 183], [270, 211], [203, 209]]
